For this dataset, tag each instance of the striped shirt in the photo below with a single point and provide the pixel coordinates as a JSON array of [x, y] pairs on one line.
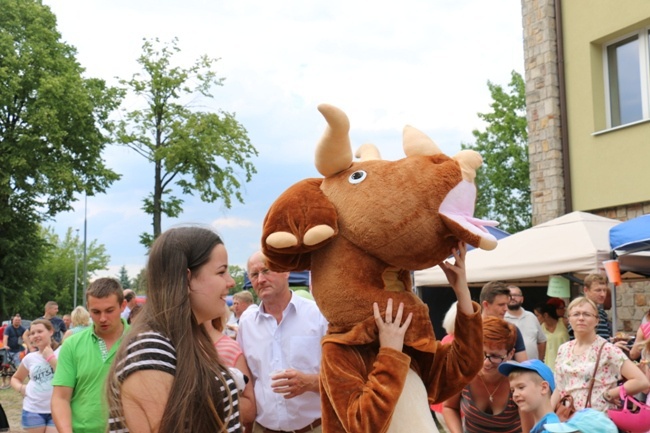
[[477, 421], [228, 350], [153, 351]]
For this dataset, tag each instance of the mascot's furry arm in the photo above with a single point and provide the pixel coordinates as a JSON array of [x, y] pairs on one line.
[[360, 230]]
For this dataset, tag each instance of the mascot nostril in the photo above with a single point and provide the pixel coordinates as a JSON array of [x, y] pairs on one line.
[[361, 230]]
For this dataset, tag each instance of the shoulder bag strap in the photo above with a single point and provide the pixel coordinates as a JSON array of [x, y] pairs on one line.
[[593, 378]]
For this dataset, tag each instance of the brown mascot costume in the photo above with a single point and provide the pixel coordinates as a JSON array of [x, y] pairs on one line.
[[360, 230]]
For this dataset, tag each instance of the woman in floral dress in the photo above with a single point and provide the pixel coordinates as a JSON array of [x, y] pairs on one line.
[[576, 361]]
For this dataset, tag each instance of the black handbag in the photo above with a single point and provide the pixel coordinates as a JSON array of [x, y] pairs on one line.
[[4, 422], [565, 408]]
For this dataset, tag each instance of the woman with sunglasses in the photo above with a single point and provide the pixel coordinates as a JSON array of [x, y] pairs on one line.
[[577, 360], [486, 403]]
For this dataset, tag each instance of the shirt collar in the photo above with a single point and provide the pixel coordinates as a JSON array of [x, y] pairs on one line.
[[97, 337]]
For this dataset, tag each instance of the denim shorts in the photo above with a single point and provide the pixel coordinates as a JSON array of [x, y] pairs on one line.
[[33, 420]]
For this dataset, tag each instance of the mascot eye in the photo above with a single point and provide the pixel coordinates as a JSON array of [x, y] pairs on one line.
[[357, 177]]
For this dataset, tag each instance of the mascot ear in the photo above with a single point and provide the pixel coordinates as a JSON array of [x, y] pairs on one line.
[[300, 221]]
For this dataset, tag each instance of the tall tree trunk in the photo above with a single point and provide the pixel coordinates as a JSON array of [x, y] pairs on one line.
[[157, 198]]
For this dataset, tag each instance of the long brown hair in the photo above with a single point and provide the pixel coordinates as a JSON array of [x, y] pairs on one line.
[[195, 402]]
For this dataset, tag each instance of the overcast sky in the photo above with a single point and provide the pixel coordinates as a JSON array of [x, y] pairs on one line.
[[385, 63]]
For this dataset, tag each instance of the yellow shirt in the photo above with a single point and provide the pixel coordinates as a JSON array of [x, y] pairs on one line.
[[553, 341]]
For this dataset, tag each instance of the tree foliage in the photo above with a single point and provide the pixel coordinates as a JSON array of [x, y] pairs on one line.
[[53, 128], [123, 276], [198, 152], [503, 181], [139, 285], [54, 276], [237, 273], [22, 249]]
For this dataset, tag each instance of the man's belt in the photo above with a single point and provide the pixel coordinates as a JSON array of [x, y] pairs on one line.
[[305, 429]]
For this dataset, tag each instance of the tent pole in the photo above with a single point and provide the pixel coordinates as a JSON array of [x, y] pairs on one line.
[[613, 290], [613, 286]]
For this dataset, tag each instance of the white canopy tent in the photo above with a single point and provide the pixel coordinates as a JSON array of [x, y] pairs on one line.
[[576, 243]]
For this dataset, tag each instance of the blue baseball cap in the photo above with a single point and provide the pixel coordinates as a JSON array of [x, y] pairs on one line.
[[531, 364], [584, 421]]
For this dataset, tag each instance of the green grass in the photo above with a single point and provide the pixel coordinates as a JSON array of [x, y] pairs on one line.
[[12, 403]]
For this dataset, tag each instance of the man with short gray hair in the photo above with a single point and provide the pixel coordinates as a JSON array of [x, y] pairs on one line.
[[281, 343]]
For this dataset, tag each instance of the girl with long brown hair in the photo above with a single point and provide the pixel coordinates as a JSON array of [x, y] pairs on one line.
[[166, 376]]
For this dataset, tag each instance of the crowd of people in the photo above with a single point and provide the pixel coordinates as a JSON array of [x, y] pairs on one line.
[[188, 362], [573, 357]]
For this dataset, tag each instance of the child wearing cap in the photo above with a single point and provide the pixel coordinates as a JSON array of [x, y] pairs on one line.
[[584, 421], [532, 384]]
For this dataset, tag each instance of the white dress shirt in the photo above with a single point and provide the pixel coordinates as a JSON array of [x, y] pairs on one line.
[[269, 347]]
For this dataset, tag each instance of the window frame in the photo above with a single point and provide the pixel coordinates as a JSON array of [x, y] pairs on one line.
[[643, 37]]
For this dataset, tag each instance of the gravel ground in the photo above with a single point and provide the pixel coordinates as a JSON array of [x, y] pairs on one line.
[[12, 403]]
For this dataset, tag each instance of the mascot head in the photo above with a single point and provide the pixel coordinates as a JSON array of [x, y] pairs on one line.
[[366, 224]]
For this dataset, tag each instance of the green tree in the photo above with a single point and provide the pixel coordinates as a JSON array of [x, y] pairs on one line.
[[54, 277], [237, 273], [53, 128], [123, 276], [22, 249], [140, 282], [196, 151], [503, 181]]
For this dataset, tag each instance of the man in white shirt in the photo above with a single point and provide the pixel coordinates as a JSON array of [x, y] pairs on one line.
[[131, 302], [531, 330], [281, 343]]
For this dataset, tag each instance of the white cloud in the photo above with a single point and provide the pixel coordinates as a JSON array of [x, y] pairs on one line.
[[387, 64], [233, 223]]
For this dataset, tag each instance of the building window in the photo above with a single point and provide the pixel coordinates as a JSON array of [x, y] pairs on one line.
[[627, 81]]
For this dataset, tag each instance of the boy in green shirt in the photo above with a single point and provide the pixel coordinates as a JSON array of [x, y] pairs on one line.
[[78, 402]]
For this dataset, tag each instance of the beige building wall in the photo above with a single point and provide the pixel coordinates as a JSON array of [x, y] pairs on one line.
[[609, 167]]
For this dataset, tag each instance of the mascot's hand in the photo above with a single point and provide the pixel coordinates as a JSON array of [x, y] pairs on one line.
[[456, 273], [391, 332], [457, 276]]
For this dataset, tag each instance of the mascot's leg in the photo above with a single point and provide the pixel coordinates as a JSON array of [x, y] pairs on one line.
[[412, 412]]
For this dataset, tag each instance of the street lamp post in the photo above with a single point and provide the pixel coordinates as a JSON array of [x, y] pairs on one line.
[[76, 268], [85, 269]]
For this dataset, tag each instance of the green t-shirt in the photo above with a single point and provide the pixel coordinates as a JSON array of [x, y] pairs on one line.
[[83, 366]]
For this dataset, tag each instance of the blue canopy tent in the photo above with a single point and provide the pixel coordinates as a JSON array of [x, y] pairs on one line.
[[630, 244], [295, 279]]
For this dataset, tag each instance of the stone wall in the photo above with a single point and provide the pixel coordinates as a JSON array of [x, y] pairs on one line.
[[625, 212], [632, 301], [543, 110]]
